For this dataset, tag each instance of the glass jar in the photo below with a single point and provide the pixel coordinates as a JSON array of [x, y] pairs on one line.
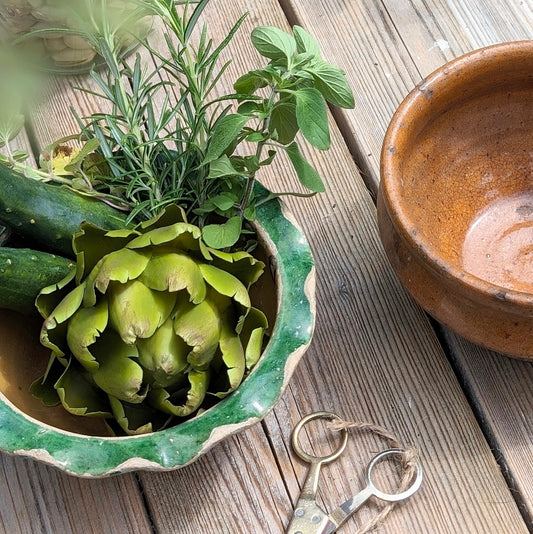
[[54, 32]]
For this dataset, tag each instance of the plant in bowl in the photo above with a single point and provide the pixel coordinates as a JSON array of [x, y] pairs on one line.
[[151, 234]]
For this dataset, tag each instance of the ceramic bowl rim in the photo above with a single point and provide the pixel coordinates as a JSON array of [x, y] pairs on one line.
[[23, 435], [389, 176]]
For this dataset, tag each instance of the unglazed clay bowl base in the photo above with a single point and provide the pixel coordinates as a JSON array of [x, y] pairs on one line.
[[79, 446], [455, 205]]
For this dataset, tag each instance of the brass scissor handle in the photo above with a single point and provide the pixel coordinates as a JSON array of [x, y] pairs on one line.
[[308, 517], [309, 458]]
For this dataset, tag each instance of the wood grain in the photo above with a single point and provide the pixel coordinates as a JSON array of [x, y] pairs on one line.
[[374, 356], [419, 37], [39, 499], [386, 47]]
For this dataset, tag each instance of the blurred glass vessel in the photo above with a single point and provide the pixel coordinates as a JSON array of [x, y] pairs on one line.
[[57, 34]]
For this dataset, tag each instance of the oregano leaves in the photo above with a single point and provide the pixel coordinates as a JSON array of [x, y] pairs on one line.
[[285, 98]]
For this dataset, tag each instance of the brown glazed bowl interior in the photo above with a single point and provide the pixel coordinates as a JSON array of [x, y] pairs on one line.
[[455, 206]]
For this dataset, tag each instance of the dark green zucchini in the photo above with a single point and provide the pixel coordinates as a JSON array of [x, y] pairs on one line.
[[5, 233], [24, 272], [50, 214]]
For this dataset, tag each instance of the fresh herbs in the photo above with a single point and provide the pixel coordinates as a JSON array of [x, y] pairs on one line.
[[169, 140]]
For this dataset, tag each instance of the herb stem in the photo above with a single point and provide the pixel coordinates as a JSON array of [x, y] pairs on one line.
[[250, 180]]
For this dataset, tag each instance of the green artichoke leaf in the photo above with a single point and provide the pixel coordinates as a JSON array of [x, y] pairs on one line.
[[194, 396], [120, 266], [164, 355], [172, 271], [233, 358], [182, 236], [199, 326], [225, 283], [117, 373], [54, 329], [49, 297], [252, 335], [240, 264], [136, 419], [83, 328], [254, 348], [43, 388], [170, 215], [136, 311], [91, 243], [79, 396]]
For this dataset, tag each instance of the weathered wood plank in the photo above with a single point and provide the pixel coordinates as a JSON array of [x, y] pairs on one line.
[[39, 499], [500, 389], [235, 487], [387, 48], [374, 358]]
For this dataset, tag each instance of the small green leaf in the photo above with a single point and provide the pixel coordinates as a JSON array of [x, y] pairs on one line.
[[10, 126], [305, 42], [307, 174], [222, 235], [273, 43], [250, 82], [255, 137], [312, 117], [283, 124], [224, 201], [269, 159], [19, 155], [221, 167], [250, 213], [332, 83], [226, 130], [90, 146], [302, 61], [250, 108], [251, 163]]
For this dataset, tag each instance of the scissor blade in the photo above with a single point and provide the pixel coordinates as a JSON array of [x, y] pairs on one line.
[[346, 509]]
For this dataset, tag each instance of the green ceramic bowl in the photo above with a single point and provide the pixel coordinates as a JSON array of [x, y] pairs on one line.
[[27, 429]]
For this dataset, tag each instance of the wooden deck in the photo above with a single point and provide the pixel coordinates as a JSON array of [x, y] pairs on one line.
[[375, 356]]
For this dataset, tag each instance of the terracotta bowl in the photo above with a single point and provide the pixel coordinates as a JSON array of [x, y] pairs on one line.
[[455, 204], [79, 446]]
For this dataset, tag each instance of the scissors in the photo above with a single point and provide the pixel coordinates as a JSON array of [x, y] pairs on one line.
[[308, 517]]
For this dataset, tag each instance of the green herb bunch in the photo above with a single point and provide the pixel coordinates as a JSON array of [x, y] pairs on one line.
[[168, 140]]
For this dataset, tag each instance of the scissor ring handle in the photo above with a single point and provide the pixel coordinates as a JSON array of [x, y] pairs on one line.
[[392, 497], [295, 441]]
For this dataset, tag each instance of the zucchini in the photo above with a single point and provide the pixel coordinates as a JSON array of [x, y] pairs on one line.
[[50, 214], [5, 233], [24, 272]]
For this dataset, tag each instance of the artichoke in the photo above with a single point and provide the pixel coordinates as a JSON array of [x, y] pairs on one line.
[[152, 326]]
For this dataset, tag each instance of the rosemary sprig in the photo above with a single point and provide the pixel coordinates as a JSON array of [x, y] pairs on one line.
[[185, 149]]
